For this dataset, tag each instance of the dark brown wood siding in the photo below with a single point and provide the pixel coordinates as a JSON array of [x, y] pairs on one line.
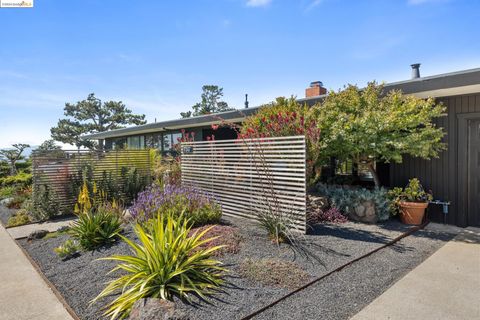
[[441, 175]]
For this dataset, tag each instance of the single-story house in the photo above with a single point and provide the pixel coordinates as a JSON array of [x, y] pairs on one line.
[[453, 177]]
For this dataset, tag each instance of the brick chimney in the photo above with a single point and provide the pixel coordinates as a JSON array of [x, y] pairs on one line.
[[316, 89]]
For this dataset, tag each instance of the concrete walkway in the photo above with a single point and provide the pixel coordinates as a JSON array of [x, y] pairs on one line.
[[25, 230], [24, 294], [445, 286]]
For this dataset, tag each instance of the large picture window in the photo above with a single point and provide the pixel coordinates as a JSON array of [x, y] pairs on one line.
[[169, 141], [136, 142]]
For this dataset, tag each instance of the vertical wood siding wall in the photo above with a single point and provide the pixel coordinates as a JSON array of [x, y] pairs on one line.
[[250, 176], [441, 175]]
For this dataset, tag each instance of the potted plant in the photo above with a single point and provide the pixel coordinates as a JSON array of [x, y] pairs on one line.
[[410, 202]]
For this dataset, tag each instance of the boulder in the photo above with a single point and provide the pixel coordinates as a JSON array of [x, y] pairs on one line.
[[317, 202], [38, 234], [63, 229], [156, 309], [6, 201], [364, 212], [316, 205]]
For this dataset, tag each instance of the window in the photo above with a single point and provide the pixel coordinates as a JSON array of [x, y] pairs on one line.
[[153, 140], [136, 142], [176, 137], [119, 143], [169, 140], [347, 167]]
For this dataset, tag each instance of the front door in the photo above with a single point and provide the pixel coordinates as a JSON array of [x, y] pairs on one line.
[[473, 207]]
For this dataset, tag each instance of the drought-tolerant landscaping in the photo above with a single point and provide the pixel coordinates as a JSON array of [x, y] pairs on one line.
[[81, 278], [151, 227]]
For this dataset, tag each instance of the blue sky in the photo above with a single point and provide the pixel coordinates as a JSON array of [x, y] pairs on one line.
[[156, 55]]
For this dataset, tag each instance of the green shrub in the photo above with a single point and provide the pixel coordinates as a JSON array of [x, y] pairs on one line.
[[20, 196], [166, 263], [28, 205], [346, 198], [46, 204], [68, 249], [20, 218], [133, 183], [7, 192], [96, 228], [21, 180]]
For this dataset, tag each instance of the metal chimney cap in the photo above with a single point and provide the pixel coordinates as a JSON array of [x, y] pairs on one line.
[[415, 70], [316, 83]]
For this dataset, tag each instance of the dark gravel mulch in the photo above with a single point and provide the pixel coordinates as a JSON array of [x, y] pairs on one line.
[[344, 293], [329, 246]]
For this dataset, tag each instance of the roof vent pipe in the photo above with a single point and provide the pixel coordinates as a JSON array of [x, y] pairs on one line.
[[415, 70]]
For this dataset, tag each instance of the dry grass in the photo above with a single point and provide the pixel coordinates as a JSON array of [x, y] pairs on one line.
[[276, 273]]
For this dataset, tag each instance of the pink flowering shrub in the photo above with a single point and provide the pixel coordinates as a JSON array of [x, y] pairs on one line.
[[287, 117]]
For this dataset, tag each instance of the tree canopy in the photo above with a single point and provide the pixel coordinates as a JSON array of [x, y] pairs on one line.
[[12, 156], [90, 116], [48, 145], [210, 102], [368, 125]]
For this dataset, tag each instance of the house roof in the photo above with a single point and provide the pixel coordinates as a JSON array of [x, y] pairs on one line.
[[192, 122], [442, 85]]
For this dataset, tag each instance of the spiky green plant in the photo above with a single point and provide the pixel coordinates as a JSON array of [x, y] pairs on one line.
[[68, 249], [93, 229], [167, 262]]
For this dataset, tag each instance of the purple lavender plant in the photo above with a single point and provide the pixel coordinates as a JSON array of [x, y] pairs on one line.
[[196, 204]]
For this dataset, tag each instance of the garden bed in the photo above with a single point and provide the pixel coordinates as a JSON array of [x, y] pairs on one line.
[[80, 279]]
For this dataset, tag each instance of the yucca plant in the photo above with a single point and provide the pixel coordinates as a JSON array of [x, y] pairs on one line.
[[93, 229], [166, 263]]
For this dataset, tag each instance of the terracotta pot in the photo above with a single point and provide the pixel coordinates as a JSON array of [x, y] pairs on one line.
[[412, 212]]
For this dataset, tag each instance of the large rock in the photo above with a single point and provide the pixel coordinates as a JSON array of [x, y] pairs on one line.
[[156, 309], [6, 201], [364, 212], [38, 234], [316, 204]]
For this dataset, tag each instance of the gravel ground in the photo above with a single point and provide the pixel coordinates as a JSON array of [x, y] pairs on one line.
[[344, 293], [82, 278], [5, 213]]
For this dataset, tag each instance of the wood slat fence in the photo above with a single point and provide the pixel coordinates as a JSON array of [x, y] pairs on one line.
[[250, 176], [63, 172]]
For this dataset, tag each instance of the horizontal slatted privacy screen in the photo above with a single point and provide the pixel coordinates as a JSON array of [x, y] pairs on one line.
[[247, 176], [63, 172]]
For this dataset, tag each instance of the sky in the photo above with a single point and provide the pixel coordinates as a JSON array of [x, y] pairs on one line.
[[156, 55]]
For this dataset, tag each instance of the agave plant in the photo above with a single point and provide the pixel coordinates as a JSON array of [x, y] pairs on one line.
[[166, 263], [93, 229]]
